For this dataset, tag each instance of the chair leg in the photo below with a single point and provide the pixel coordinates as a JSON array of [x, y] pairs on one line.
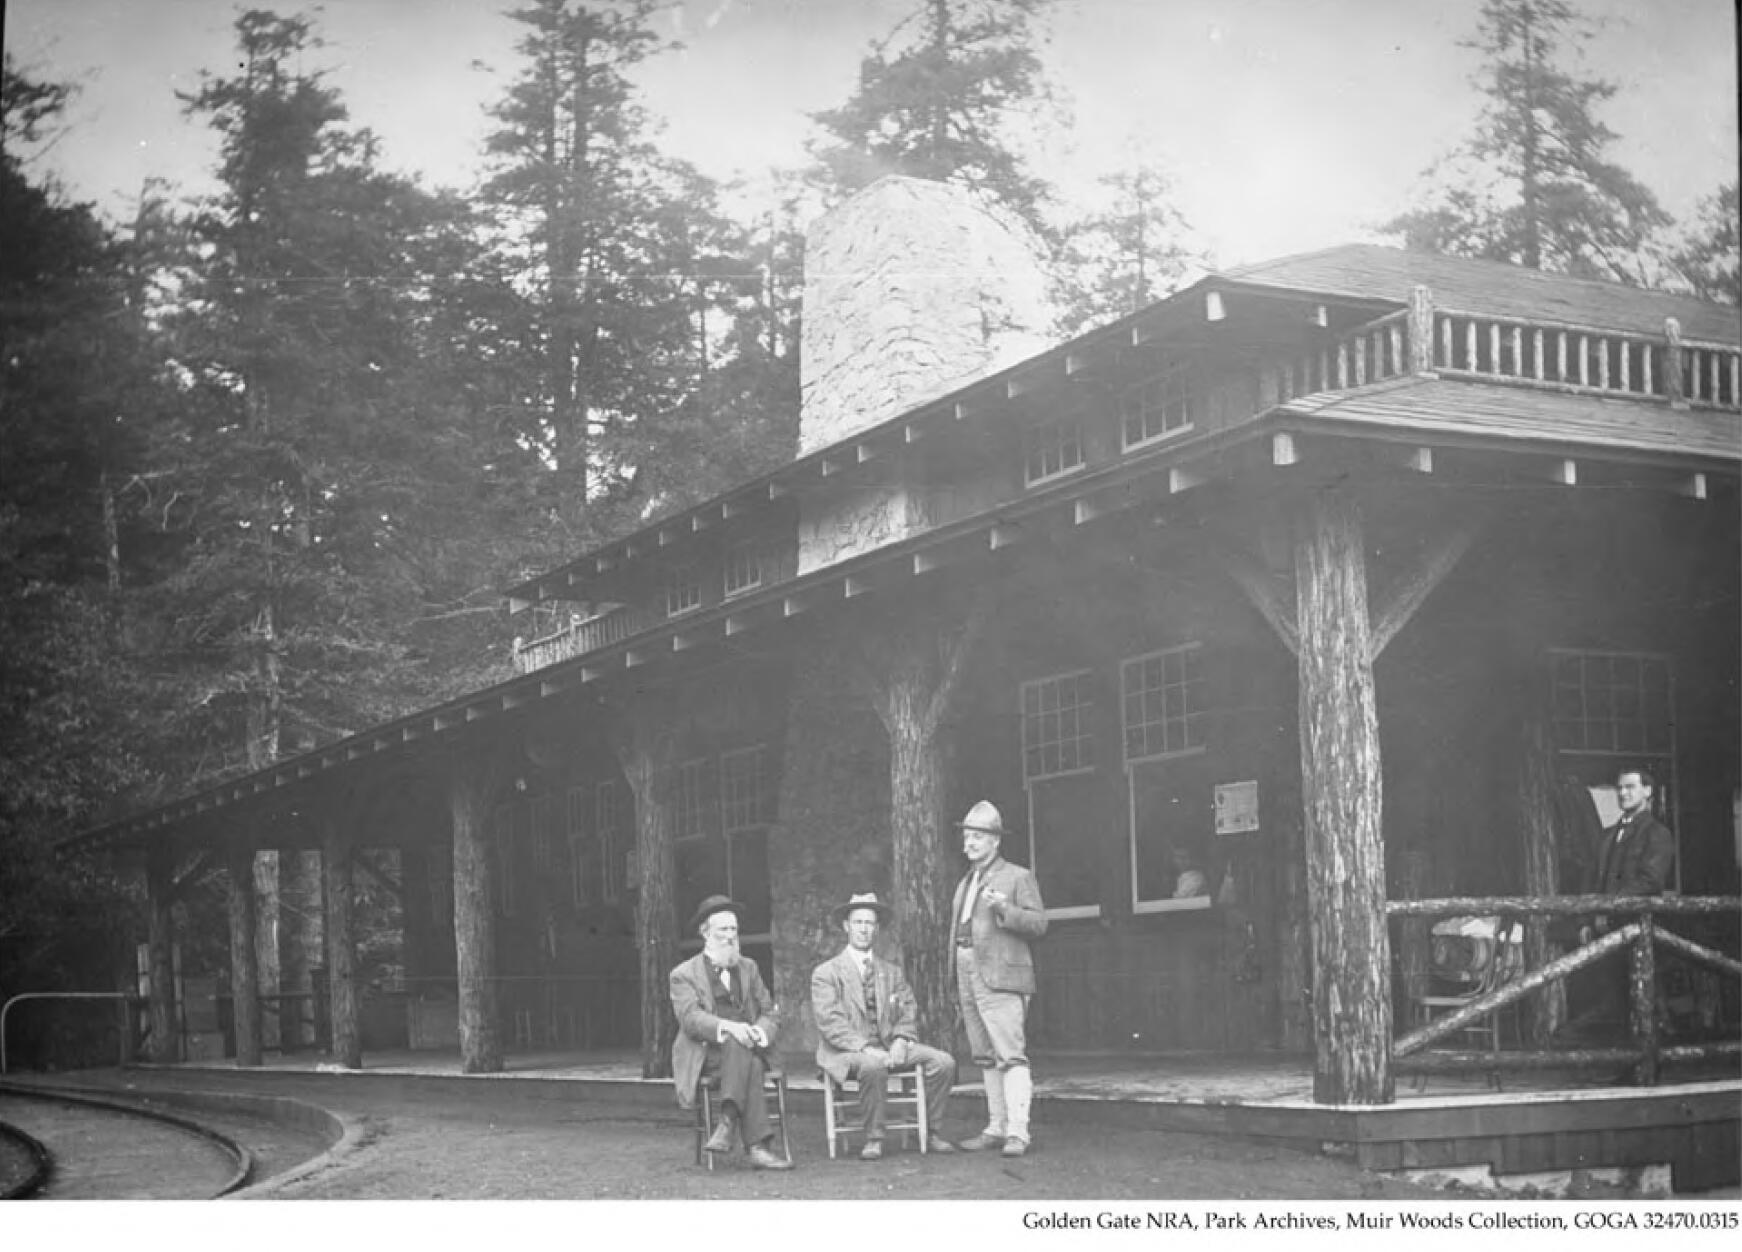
[[780, 1103], [918, 1080], [705, 1131], [829, 1112]]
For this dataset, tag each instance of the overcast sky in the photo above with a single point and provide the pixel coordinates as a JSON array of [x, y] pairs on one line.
[[1288, 124]]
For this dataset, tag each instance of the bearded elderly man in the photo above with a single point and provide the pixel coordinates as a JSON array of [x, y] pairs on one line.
[[868, 1024], [726, 1022], [997, 912]]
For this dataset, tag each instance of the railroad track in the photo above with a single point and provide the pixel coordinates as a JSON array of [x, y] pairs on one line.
[[59, 1145]]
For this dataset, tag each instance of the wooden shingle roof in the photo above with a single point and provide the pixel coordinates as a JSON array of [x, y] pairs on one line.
[[1491, 289], [1492, 413]]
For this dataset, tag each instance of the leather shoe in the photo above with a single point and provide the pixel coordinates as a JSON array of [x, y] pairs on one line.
[[872, 1151], [939, 1146], [724, 1133], [980, 1142], [762, 1158], [1015, 1147]]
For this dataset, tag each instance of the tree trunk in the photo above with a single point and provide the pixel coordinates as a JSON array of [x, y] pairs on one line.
[[470, 791], [336, 849], [1340, 779], [1536, 817], [160, 948], [645, 750], [911, 669], [244, 972]]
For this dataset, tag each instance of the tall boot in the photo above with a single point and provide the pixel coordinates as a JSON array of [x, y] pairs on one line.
[[993, 1135], [1018, 1094]]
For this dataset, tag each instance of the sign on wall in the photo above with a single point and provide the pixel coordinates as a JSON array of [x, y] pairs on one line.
[[1236, 807]]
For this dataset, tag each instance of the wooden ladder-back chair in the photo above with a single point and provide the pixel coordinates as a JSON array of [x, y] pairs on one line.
[[1470, 956]]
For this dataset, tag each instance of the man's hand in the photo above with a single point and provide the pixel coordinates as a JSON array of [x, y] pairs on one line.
[[743, 1032], [898, 1053], [878, 1053]]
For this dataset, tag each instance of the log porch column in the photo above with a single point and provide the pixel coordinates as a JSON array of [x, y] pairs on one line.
[[160, 950], [645, 749], [244, 968], [1340, 780], [337, 845], [472, 785]]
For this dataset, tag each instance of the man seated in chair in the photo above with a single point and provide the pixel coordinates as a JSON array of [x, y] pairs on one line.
[[726, 1022], [867, 1025]]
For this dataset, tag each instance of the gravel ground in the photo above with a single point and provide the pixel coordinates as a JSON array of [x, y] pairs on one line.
[[503, 1140]]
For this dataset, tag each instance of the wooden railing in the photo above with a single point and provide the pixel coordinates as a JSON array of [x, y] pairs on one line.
[[1371, 353], [1640, 938], [579, 638], [1568, 357]]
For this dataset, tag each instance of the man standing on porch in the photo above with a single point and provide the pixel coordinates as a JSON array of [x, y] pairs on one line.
[[726, 1022], [868, 1024], [997, 911]]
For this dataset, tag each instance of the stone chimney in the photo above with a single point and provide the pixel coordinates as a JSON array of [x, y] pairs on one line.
[[912, 290]]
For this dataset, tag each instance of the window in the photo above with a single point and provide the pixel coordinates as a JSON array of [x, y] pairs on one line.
[[744, 800], [1157, 406], [610, 824], [1057, 727], [683, 592], [441, 882], [1054, 448], [543, 854], [502, 831], [1163, 703], [743, 569], [689, 793], [582, 875], [1613, 702]]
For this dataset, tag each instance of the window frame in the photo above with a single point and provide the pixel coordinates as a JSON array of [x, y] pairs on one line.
[[608, 833], [1194, 647], [682, 591], [736, 553], [1166, 373], [578, 826], [1085, 737], [1059, 433]]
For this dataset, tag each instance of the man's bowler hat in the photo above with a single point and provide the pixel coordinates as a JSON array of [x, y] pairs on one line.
[[712, 905]]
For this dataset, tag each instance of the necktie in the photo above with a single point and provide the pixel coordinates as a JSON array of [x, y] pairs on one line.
[[969, 896], [868, 973]]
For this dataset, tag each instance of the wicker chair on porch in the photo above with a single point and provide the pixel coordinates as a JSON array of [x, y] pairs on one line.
[[1470, 956]]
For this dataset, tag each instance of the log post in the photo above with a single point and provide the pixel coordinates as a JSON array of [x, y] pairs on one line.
[[472, 786], [1340, 779], [1642, 969], [1536, 814], [337, 847], [160, 951], [244, 969], [910, 671], [646, 751], [1421, 330], [1674, 372]]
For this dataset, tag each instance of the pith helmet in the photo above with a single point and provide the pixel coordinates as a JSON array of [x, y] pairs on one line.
[[868, 900], [985, 818]]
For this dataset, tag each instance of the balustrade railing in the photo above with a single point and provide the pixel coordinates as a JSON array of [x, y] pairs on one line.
[[1373, 352], [579, 638]]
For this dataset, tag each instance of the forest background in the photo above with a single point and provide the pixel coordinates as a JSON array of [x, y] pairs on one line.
[[276, 436]]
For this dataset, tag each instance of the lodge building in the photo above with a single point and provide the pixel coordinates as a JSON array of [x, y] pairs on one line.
[[1326, 583]]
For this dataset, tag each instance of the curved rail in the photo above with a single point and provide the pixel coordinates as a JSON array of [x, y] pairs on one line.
[[243, 1159], [59, 995], [42, 1167]]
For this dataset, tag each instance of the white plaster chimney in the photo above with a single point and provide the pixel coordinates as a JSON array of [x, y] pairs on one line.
[[912, 290]]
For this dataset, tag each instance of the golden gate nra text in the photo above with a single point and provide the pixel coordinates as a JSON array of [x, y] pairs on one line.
[[1167, 1219]]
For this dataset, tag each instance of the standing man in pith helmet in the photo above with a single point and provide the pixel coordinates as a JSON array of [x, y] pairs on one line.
[[997, 912]]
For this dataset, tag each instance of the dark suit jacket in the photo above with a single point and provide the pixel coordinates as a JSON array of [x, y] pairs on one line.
[[1001, 936], [1639, 864], [838, 1003], [692, 1000]]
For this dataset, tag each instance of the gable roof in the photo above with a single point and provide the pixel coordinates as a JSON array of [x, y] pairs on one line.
[[1490, 288]]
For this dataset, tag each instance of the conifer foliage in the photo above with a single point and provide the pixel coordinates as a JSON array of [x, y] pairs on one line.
[[1534, 185]]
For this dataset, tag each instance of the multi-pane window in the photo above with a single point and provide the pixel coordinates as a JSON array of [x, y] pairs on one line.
[[1058, 734], [543, 854], [581, 853], [610, 823], [1053, 448], [743, 569], [502, 830], [1164, 698], [743, 789], [689, 790], [1157, 406], [1613, 702], [441, 883], [683, 591]]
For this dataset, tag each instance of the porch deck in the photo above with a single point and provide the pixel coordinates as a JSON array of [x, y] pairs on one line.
[[1542, 1124]]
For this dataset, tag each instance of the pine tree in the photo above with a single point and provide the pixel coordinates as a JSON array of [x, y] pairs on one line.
[[1708, 256], [944, 98], [1533, 185], [1126, 256]]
